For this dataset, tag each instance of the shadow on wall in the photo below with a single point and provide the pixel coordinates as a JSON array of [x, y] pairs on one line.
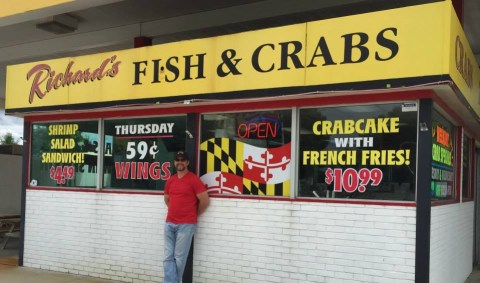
[[11, 176]]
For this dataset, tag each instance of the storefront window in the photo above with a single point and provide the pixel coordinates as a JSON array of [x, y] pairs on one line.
[[139, 152], [64, 154], [246, 153], [443, 154], [358, 152]]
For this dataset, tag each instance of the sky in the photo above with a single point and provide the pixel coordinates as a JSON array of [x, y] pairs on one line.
[[11, 124]]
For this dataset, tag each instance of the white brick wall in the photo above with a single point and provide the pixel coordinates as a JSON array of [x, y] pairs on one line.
[[283, 241], [114, 236], [120, 237], [451, 246]]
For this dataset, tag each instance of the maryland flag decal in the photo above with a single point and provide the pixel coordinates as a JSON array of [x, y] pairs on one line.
[[230, 166]]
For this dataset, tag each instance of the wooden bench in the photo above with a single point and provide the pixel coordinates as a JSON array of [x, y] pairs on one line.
[[7, 236], [8, 217], [9, 228]]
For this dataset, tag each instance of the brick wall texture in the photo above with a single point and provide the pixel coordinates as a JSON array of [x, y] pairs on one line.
[[451, 244], [120, 237]]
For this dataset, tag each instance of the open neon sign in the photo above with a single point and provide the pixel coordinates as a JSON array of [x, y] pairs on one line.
[[259, 128]]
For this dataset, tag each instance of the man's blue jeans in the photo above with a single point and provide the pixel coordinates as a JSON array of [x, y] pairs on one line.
[[178, 238]]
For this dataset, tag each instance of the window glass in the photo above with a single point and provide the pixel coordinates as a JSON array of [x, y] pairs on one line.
[[246, 153], [64, 154], [443, 153], [139, 152], [466, 167], [358, 152]]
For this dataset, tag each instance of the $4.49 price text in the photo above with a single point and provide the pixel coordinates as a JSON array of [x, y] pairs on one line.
[[62, 173]]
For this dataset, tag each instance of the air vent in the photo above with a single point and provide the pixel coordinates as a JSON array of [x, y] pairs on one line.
[[59, 24]]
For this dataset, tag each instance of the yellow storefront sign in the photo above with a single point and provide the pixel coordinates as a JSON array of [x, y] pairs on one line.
[[386, 45]]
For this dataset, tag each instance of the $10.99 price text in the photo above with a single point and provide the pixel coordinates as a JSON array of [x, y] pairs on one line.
[[351, 180]]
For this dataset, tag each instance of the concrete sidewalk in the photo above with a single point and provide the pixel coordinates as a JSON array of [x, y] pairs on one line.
[[15, 274], [11, 273], [475, 276]]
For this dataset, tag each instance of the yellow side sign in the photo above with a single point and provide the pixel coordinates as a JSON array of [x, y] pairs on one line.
[[463, 66]]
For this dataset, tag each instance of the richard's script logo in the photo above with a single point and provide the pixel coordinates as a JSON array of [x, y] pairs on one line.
[[45, 79]]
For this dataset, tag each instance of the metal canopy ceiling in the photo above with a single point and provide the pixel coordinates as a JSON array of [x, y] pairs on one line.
[[105, 25]]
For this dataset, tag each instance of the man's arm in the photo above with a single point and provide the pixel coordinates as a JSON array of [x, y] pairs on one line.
[[203, 202], [166, 192], [166, 198]]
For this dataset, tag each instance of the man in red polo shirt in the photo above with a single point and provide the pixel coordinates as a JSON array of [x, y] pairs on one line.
[[186, 197]]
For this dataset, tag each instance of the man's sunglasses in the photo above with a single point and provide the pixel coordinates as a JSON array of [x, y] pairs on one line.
[[180, 160]]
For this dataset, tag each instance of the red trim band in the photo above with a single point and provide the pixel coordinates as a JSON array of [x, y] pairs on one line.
[[239, 106], [266, 198]]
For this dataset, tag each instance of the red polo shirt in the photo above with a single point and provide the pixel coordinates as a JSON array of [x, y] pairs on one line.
[[182, 205]]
